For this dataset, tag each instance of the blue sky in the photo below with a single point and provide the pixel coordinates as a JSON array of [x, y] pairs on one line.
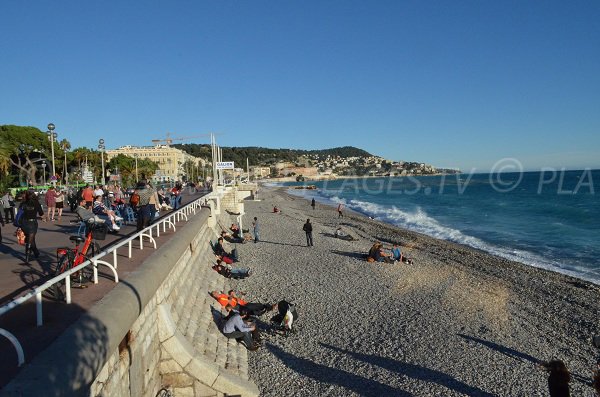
[[452, 83]]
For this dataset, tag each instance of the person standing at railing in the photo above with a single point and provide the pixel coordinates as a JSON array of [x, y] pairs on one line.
[[144, 213], [29, 224]]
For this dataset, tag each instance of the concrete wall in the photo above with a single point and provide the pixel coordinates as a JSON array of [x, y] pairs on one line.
[[155, 328]]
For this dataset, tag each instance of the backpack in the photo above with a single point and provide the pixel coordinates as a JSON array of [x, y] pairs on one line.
[[18, 217], [134, 200]]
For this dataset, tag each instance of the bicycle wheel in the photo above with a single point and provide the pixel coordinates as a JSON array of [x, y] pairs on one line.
[[59, 289]]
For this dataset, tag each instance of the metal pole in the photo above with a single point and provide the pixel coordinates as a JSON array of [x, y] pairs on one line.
[[103, 174]]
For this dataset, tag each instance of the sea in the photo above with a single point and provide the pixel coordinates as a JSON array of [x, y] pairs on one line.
[[548, 219]]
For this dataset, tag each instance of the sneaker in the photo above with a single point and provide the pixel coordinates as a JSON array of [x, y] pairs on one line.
[[118, 218], [115, 227]]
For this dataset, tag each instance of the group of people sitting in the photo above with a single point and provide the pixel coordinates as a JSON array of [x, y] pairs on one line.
[[240, 320], [224, 260], [378, 253]]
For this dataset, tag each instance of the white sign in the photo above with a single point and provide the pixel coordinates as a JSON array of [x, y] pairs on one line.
[[225, 165]]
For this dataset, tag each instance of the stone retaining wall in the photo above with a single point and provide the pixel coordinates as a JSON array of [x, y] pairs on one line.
[[157, 328]]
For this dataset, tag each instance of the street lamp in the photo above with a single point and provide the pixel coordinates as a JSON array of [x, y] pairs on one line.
[[66, 171], [101, 147], [52, 136], [44, 172]]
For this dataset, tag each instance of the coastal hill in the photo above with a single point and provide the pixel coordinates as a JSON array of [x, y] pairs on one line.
[[346, 160]]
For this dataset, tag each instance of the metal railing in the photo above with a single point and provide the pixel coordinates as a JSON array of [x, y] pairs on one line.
[[167, 222]]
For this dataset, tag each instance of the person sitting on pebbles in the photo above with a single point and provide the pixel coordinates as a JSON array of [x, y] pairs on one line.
[[378, 254], [397, 255], [231, 272], [231, 298], [339, 233], [231, 238], [237, 326]]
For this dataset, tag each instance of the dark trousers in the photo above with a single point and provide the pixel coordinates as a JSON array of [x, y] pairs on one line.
[[309, 240], [247, 337], [9, 213], [143, 216]]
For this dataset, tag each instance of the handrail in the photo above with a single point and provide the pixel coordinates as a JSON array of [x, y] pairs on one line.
[[166, 221]]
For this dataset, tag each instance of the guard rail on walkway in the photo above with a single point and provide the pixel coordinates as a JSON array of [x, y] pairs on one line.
[[147, 233]]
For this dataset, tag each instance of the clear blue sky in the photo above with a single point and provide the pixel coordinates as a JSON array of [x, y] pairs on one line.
[[451, 83]]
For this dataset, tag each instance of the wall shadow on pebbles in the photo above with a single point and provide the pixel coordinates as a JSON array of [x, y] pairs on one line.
[[414, 371], [327, 375]]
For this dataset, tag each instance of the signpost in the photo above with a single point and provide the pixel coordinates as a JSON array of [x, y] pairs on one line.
[[225, 165]]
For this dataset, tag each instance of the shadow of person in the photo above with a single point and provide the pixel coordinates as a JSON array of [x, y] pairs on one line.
[[278, 243], [502, 349], [324, 374], [357, 255], [414, 371]]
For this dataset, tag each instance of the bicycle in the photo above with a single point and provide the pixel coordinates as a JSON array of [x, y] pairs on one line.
[[69, 258]]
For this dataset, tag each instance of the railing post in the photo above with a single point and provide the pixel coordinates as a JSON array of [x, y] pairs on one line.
[[38, 309], [68, 288], [95, 265], [115, 258]]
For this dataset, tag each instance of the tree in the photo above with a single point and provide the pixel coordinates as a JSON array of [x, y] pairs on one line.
[[26, 146]]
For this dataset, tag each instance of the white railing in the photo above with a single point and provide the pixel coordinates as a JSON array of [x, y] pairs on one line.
[[167, 222]]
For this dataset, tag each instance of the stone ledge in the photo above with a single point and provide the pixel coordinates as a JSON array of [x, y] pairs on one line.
[[207, 372]]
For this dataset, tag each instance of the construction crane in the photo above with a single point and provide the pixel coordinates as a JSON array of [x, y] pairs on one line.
[[168, 140]]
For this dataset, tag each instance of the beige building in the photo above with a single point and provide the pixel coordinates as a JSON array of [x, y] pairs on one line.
[[260, 172], [170, 160], [304, 171]]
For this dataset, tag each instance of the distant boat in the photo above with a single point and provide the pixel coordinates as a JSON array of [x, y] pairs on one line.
[[308, 187]]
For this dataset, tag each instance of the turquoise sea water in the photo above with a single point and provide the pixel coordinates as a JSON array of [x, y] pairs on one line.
[[546, 219]]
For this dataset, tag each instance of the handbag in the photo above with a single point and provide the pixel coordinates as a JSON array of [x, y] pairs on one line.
[[20, 236]]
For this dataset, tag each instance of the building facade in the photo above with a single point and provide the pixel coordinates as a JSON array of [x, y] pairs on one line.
[[170, 160]]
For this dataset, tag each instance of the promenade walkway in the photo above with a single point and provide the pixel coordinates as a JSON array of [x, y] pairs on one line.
[[17, 278]]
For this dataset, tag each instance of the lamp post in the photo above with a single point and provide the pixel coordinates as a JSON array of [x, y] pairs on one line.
[[52, 136], [65, 171], [101, 147], [44, 172]]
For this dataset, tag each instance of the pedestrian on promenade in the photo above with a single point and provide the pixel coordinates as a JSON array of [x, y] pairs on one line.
[[8, 202], [60, 203], [144, 207], [256, 230], [31, 210], [88, 195], [340, 207], [51, 203], [313, 204], [308, 230]]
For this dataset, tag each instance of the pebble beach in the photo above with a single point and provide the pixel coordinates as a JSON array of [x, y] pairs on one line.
[[457, 322]]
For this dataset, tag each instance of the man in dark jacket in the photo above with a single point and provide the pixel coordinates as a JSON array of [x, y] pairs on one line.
[[308, 230]]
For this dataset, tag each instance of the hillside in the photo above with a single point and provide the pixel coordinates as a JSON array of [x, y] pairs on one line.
[[265, 156]]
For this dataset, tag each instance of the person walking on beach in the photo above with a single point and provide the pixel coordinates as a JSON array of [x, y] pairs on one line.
[[340, 207], [308, 230], [558, 379], [256, 230], [313, 204]]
